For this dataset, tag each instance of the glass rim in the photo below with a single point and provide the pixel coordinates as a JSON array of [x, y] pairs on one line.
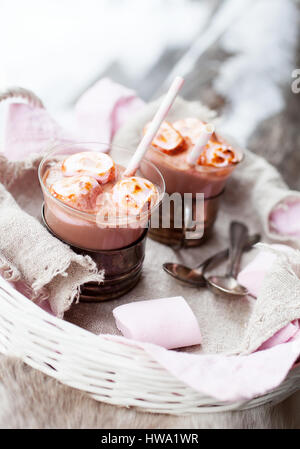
[[93, 216]]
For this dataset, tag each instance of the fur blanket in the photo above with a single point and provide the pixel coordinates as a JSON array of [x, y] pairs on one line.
[[30, 399]]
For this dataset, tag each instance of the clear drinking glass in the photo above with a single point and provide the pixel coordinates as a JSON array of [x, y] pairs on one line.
[[206, 180], [85, 230], [116, 247]]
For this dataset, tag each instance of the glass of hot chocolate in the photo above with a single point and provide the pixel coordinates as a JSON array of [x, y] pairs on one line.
[[91, 206], [171, 152]]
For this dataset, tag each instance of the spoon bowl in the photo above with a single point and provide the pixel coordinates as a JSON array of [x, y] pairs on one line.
[[226, 284], [193, 277]]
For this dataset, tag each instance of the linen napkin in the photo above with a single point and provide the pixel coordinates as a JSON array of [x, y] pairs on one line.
[[253, 277], [253, 274], [278, 301], [30, 254]]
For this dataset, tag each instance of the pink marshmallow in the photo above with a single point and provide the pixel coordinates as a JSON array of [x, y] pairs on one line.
[[167, 322]]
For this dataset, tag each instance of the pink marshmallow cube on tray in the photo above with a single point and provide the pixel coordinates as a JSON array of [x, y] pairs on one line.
[[167, 322]]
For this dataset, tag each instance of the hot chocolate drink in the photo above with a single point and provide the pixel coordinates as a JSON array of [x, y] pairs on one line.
[[171, 151], [90, 204]]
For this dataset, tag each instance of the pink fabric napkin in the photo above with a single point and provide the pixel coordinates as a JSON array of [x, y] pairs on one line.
[[103, 108], [168, 322], [29, 130], [284, 335], [285, 218], [99, 112], [226, 378]]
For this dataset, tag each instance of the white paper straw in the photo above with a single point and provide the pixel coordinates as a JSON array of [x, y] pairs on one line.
[[198, 149], [154, 126]]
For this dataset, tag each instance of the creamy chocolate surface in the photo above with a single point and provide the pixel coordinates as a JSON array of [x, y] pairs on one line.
[[116, 208], [89, 193], [178, 139], [213, 167]]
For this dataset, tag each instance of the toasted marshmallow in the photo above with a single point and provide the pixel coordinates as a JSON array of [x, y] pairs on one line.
[[52, 175], [190, 129], [167, 139], [218, 154], [135, 195], [80, 192], [98, 165]]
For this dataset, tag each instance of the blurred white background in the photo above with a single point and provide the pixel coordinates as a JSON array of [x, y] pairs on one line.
[[57, 48]]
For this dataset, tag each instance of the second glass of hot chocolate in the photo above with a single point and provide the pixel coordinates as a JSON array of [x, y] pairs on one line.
[[169, 152]]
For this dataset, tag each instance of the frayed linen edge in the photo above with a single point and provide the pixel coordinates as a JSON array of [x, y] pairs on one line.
[[8, 271], [76, 290], [40, 287]]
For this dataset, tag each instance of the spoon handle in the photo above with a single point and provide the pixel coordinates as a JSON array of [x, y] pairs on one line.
[[238, 237], [252, 240]]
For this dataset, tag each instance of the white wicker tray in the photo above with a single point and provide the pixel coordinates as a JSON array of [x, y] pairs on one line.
[[108, 371]]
